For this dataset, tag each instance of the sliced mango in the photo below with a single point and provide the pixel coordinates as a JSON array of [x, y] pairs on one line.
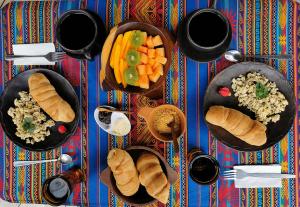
[[123, 67], [125, 42], [113, 52], [116, 64]]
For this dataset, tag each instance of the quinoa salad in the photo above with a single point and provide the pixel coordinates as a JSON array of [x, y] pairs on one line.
[[32, 124], [259, 95]]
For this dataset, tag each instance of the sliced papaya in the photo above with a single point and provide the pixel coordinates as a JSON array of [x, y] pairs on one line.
[[151, 62], [143, 49], [149, 42], [144, 81], [161, 60], [154, 77], [157, 41], [144, 58], [159, 69], [151, 53], [141, 69], [160, 52], [149, 69]]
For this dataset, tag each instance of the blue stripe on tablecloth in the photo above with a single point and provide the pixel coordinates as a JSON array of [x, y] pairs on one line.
[[197, 76], [93, 136], [103, 136], [2, 151]]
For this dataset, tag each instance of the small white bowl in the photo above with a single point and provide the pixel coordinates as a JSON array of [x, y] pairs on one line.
[[115, 116]]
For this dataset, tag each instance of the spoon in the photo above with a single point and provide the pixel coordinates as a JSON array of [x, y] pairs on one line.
[[101, 109], [174, 135], [236, 56], [63, 158]]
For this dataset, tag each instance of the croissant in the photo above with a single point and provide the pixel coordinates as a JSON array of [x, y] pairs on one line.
[[153, 178], [124, 171], [48, 99], [238, 124]]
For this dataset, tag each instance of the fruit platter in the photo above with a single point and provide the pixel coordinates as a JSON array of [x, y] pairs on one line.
[[139, 56]]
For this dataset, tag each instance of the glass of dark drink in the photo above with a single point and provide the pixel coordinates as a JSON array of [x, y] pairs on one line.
[[58, 188], [204, 169]]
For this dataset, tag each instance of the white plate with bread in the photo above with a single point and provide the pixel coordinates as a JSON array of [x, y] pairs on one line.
[[56, 98]]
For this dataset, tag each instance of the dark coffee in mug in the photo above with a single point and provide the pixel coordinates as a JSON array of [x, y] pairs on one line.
[[203, 169], [77, 31], [207, 29]]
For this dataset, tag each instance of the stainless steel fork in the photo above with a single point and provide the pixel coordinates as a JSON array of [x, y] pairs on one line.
[[240, 174], [51, 56]]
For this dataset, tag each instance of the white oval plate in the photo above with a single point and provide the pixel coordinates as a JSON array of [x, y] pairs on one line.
[[114, 117]]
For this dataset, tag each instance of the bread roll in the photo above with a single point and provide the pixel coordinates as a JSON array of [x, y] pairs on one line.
[[124, 171], [48, 99], [238, 124], [153, 178]]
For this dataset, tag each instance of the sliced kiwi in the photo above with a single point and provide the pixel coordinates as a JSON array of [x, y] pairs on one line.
[[133, 57], [137, 39], [131, 76]]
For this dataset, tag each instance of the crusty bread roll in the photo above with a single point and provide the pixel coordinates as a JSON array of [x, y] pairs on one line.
[[124, 171], [238, 124], [153, 178], [48, 99]]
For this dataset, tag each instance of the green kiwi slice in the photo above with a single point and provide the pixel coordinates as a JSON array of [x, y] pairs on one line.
[[133, 57], [131, 76], [137, 39]]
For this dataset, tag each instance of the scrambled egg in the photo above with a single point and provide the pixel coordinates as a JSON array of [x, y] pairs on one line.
[[32, 124], [267, 108]]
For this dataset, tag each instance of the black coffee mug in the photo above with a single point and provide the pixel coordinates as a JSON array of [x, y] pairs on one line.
[[80, 33], [204, 169], [205, 34]]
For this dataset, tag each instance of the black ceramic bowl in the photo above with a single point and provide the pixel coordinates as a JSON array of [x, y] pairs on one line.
[[275, 131], [19, 83]]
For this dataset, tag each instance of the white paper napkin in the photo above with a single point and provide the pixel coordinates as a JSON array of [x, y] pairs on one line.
[[33, 49], [251, 182]]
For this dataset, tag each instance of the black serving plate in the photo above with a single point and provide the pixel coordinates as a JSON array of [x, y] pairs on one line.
[[141, 197], [275, 131], [19, 83]]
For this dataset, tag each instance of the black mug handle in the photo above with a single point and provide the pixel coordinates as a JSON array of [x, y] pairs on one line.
[[213, 4], [88, 55]]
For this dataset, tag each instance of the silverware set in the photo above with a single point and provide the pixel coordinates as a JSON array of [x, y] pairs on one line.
[[51, 56], [240, 174]]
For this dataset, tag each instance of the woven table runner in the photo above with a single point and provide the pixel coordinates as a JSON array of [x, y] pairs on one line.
[[259, 27]]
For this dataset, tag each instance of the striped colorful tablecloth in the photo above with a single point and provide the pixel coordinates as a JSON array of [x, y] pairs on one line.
[[259, 27]]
